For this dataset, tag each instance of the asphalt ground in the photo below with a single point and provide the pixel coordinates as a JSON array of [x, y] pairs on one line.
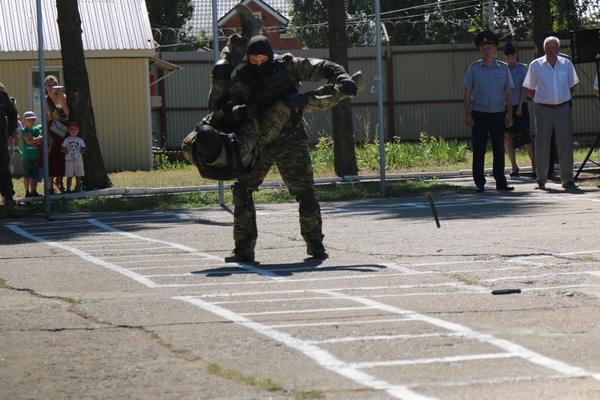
[[140, 305]]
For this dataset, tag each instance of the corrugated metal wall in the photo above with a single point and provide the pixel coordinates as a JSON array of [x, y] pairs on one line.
[[106, 25], [121, 112], [427, 92]]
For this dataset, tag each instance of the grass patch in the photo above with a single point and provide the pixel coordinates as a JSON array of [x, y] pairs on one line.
[[238, 376], [313, 394], [330, 192], [464, 279], [428, 155]]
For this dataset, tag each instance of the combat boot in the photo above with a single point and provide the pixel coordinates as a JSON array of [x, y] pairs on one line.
[[241, 255], [316, 250], [251, 25]]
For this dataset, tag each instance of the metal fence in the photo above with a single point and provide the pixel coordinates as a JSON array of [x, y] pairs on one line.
[[422, 93]]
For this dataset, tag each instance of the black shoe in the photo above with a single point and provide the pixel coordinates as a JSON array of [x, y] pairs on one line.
[[27, 194], [35, 194], [541, 185], [570, 185], [480, 189], [316, 250], [9, 201], [515, 173], [243, 255], [505, 187]]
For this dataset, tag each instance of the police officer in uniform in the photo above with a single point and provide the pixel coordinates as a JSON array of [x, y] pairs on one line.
[[488, 108], [266, 79], [8, 124]]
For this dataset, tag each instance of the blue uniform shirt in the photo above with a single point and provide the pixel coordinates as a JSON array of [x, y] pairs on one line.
[[488, 85], [518, 73]]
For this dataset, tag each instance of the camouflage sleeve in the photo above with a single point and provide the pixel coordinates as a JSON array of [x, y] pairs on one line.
[[315, 69], [238, 91]]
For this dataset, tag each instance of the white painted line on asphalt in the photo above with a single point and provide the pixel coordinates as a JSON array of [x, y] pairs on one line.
[[320, 356], [119, 248], [306, 310], [466, 332], [512, 278], [124, 271], [379, 338], [435, 360], [336, 323], [496, 381]]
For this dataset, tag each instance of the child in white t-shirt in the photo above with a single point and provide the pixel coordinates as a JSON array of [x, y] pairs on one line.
[[73, 148]]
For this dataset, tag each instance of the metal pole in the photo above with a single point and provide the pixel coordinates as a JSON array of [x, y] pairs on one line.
[[380, 96], [43, 106], [216, 54]]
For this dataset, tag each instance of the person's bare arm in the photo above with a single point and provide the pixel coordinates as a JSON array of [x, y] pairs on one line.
[[467, 103]]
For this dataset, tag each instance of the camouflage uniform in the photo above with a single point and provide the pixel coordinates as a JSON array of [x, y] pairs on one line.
[[256, 133], [290, 152], [8, 123]]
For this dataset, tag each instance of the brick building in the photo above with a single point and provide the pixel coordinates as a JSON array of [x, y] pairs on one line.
[[274, 13]]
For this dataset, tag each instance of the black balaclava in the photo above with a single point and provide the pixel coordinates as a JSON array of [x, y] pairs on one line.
[[509, 49], [260, 45]]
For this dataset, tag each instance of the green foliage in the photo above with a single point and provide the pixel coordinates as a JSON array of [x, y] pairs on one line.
[[168, 20], [398, 154], [416, 22], [167, 162]]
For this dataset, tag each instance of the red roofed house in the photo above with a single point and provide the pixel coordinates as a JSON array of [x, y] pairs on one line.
[[274, 16]]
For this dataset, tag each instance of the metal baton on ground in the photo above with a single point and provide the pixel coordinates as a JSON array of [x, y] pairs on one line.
[[433, 211]]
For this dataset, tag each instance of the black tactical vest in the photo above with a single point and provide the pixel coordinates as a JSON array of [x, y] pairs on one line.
[[269, 89]]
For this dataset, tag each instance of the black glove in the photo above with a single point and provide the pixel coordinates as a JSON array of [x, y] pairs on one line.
[[247, 111], [348, 87], [222, 70], [295, 100]]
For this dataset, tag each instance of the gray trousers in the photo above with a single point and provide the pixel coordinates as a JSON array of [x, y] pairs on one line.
[[559, 120]]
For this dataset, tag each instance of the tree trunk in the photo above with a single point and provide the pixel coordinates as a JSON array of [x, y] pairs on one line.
[[542, 24], [77, 88], [343, 133]]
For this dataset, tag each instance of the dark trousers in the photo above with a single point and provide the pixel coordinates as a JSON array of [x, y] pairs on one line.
[[6, 184], [494, 125]]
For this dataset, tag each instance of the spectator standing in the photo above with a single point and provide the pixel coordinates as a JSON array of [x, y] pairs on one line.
[[521, 122], [8, 123], [551, 81], [57, 109], [73, 148], [31, 140], [488, 108]]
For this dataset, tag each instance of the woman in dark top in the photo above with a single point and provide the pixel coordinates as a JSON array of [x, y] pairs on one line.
[[57, 109]]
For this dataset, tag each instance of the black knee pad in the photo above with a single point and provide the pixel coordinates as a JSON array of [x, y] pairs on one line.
[[242, 197], [308, 201]]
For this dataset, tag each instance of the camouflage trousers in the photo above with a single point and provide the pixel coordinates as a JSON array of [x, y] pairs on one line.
[[290, 152], [6, 183]]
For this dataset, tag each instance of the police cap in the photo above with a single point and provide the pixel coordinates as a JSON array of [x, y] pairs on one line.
[[486, 37]]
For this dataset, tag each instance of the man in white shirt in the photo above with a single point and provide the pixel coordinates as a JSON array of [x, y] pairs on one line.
[[550, 81]]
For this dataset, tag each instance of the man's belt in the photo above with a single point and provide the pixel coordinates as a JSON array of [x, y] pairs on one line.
[[552, 105]]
